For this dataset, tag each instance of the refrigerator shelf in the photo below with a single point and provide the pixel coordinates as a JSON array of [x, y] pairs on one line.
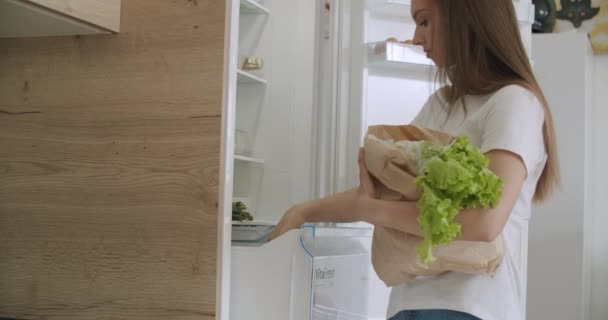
[[248, 159], [253, 7], [251, 232], [395, 55], [390, 8], [245, 77]]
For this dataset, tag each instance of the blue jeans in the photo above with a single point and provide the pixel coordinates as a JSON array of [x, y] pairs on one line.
[[433, 315]]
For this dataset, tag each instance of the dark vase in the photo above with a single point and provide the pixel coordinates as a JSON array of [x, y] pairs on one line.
[[577, 11], [544, 16]]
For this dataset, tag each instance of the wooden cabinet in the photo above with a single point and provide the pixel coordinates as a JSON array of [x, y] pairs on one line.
[[109, 161], [38, 18]]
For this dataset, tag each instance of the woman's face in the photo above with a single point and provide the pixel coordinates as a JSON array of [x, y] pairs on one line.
[[427, 18]]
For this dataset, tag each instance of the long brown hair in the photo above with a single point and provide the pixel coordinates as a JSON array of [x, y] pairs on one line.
[[484, 52]]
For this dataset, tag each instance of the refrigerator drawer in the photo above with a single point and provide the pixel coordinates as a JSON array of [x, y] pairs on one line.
[[308, 274]]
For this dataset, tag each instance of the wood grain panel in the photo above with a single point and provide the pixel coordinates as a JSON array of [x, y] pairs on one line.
[[109, 168], [103, 13]]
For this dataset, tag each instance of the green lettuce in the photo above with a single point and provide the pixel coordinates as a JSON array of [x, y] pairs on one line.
[[453, 178]]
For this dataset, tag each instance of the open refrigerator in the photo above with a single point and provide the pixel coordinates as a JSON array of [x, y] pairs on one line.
[[292, 128]]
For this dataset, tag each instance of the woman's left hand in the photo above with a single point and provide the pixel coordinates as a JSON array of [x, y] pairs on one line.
[[366, 183]]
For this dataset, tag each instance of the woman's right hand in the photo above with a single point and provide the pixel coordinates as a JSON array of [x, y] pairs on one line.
[[347, 206], [294, 218]]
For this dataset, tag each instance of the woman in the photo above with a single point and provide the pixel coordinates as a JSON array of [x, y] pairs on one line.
[[494, 98]]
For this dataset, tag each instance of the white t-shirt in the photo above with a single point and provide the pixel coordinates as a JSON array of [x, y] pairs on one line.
[[510, 119]]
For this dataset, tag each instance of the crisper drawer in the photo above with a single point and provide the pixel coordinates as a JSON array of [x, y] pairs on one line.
[[308, 274], [341, 289], [344, 284]]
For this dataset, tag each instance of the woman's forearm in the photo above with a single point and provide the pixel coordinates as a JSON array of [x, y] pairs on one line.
[[340, 208], [399, 215], [350, 206], [403, 216], [358, 205]]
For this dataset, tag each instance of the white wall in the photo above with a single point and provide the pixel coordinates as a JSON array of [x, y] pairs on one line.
[[599, 273], [558, 264], [554, 282]]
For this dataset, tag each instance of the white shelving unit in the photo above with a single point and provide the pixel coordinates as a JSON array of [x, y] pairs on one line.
[[253, 7], [251, 90], [272, 106]]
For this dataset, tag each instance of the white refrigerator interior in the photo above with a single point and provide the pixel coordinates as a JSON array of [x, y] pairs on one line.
[[398, 77], [383, 82], [293, 131]]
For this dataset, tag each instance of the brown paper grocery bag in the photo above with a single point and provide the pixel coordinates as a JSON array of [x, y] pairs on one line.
[[394, 254]]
